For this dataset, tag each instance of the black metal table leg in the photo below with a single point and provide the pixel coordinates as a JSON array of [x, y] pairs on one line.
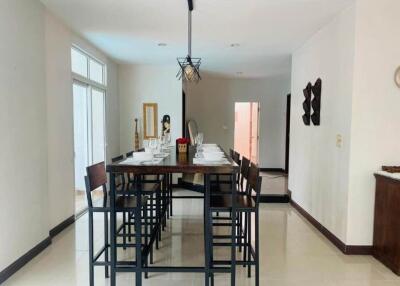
[[138, 235], [91, 252], [206, 229], [257, 252], [233, 231], [112, 232], [106, 244], [170, 194]]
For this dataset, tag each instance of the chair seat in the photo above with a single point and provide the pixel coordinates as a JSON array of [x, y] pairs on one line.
[[122, 202], [223, 188], [148, 178], [146, 187], [243, 202], [220, 177]]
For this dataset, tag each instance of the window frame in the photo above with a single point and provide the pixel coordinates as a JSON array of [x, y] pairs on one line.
[[91, 84], [87, 79]]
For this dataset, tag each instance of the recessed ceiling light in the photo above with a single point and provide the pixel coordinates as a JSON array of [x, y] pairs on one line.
[[235, 45], [162, 44]]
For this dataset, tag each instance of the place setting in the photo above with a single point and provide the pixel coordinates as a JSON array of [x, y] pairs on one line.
[[155, 151], [209, 153]]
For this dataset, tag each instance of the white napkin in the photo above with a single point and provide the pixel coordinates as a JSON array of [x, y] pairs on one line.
[[201, 161], [161, 155], [133, 161]]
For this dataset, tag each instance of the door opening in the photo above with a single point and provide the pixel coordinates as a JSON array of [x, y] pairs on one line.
[[89, 136], [246, 138], [288, 100]]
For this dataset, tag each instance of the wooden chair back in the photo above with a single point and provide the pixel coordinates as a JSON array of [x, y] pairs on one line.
[[236, 157], [96, 178], [244, 171], [119, 177], [254, 182]]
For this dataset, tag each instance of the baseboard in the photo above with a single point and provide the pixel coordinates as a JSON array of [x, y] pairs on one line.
[[346, 249], [24, 259], [282, 199], [60, 227], [280, 170]]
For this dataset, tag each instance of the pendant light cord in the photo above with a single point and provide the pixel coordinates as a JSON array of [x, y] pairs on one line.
[[190, 34]]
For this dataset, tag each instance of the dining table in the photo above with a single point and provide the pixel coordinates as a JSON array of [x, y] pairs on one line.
[[173, 163]]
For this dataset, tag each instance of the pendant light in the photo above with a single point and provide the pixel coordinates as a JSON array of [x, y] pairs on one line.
[[189, 68]]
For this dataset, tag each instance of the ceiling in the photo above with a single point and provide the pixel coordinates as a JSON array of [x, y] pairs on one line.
[[268, 31]]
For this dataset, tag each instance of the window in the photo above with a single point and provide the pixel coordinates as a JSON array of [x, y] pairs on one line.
[[88, 67], [79, 63], [96, 71], [89, 98]]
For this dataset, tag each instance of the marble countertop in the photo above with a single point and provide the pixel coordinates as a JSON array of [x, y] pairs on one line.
[[395, 176]]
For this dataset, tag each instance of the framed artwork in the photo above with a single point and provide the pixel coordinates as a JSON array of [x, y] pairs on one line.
[[150, 120]]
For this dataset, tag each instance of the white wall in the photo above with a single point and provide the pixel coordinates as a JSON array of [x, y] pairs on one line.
[[148, 84], [211, 103], [376, 113], [23, 144], [60, 124], [319, 170], [59, 40]]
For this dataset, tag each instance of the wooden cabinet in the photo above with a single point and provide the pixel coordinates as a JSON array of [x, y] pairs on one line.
[[386, 246]]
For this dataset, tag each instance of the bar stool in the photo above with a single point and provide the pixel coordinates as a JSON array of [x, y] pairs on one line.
[[224, 187], [97, 178], [120, 186], [248, 205], [160, 200]]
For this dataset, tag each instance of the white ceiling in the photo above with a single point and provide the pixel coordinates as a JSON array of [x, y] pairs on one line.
[[268, 31]]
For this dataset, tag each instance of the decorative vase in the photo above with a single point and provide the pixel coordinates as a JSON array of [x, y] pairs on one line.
[[182, 146]]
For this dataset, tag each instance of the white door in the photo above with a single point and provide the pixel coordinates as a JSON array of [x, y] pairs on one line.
[[89, 129], [81, 138]]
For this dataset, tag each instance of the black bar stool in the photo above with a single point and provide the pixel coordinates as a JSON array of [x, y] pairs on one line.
[[224, 187], [159, 199], [246, 204], [97, 178]]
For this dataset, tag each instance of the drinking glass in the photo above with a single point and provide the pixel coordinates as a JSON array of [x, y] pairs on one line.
[[153, 145], [162, 142], [200, 137], [168, 139]]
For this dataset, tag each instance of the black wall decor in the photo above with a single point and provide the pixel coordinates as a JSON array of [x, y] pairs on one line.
[[316, 102], [312, 95], [307, 104]]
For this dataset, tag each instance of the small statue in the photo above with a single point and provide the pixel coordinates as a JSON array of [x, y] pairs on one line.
[[136, 136], [166, 125]]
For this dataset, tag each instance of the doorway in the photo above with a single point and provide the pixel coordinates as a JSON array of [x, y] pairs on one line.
[[89, 135], [288, 101], [246, 138]]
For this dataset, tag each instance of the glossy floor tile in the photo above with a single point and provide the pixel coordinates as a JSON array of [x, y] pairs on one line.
[[292, 253]]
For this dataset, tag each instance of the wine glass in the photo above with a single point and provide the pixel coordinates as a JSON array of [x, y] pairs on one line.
[[168, 139], [200, 137], [199, 141], [153, 145], [162, 142]]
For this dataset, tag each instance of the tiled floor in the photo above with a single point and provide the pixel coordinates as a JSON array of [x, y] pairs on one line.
[[292, 253]]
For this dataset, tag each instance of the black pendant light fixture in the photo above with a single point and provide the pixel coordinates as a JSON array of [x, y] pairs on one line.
[[189, 68]]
